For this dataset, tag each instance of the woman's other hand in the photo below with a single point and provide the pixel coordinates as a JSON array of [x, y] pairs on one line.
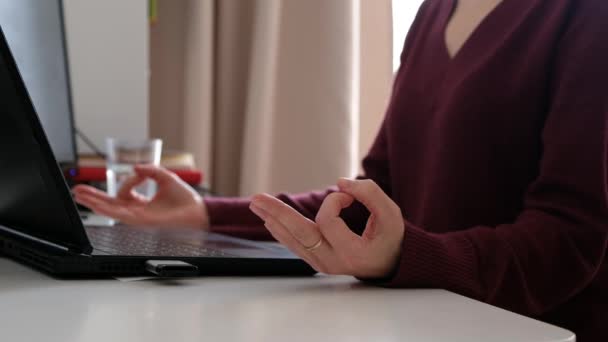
[[328, 245], [175, 203]]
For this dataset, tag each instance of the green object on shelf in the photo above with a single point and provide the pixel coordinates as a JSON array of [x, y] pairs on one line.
[[153, 11]]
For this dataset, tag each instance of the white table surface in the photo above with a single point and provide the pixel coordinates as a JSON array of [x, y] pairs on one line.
[[35, 307]]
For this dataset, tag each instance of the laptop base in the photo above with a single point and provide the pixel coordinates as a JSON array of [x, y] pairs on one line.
[[63, 264]]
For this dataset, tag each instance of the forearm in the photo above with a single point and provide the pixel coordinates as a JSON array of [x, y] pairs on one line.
[[529, 266]]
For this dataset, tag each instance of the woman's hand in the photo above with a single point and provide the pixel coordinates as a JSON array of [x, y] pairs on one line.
[[328, 245], [175, 203]]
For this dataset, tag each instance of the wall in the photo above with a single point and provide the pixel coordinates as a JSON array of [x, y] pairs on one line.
[[376, 76], [181, 77], [404, 13], [108, 52]]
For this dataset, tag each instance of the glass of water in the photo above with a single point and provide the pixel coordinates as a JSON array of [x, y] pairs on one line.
[[123, 155]]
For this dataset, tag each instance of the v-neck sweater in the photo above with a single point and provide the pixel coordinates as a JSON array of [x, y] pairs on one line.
[[498, 159]]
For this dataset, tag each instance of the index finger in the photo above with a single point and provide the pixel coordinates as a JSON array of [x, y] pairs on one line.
[[86, 190], [102, 207], [158, 174], [370, 194], [333, 205], [302, 229]]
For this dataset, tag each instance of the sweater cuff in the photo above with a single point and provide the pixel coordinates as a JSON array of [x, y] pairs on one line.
[[230, 211], [436, 261], [232, 216]]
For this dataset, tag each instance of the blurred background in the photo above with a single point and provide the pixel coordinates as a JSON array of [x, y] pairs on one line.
[[265, 95]]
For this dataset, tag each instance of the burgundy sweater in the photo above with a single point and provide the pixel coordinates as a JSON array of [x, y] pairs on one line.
[[498, 160]]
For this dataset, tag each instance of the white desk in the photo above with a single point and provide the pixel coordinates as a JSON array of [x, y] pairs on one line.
[[35, 307]]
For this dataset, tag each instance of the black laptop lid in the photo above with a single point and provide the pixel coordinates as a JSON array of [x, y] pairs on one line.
[[34, 198]]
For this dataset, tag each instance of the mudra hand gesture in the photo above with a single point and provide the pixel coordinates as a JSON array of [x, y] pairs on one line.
[[327, 243]]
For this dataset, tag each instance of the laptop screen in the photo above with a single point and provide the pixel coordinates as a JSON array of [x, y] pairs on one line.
[[35, 34], [34, 198]]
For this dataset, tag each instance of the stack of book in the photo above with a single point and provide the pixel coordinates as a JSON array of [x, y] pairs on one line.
[[92, 168]]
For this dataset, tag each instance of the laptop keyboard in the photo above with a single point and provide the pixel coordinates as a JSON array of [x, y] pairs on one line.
[[119, 240]]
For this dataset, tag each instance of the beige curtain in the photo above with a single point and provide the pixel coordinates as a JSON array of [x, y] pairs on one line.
[[270, 95]]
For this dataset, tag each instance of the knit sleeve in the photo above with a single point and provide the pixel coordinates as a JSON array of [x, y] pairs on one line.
[[557, 245]]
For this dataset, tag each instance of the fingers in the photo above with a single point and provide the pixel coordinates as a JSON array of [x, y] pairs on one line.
[[320, 258], [126, 190], [159, 174], [302, 229], [341, 251], [82, 188], [102, 207], [81, 191], [333, 228], [86, 200], [371, 195], [125, 193], [89, 190], [282, 235]]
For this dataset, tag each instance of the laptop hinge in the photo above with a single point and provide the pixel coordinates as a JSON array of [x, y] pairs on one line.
[[40, 241]]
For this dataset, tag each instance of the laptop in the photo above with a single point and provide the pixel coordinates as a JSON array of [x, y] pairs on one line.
[[40, 225]]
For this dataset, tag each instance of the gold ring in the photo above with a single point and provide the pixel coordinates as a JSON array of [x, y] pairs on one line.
[[315, 246]]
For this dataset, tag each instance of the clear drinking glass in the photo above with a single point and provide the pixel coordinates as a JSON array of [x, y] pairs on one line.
[[122, 155]]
